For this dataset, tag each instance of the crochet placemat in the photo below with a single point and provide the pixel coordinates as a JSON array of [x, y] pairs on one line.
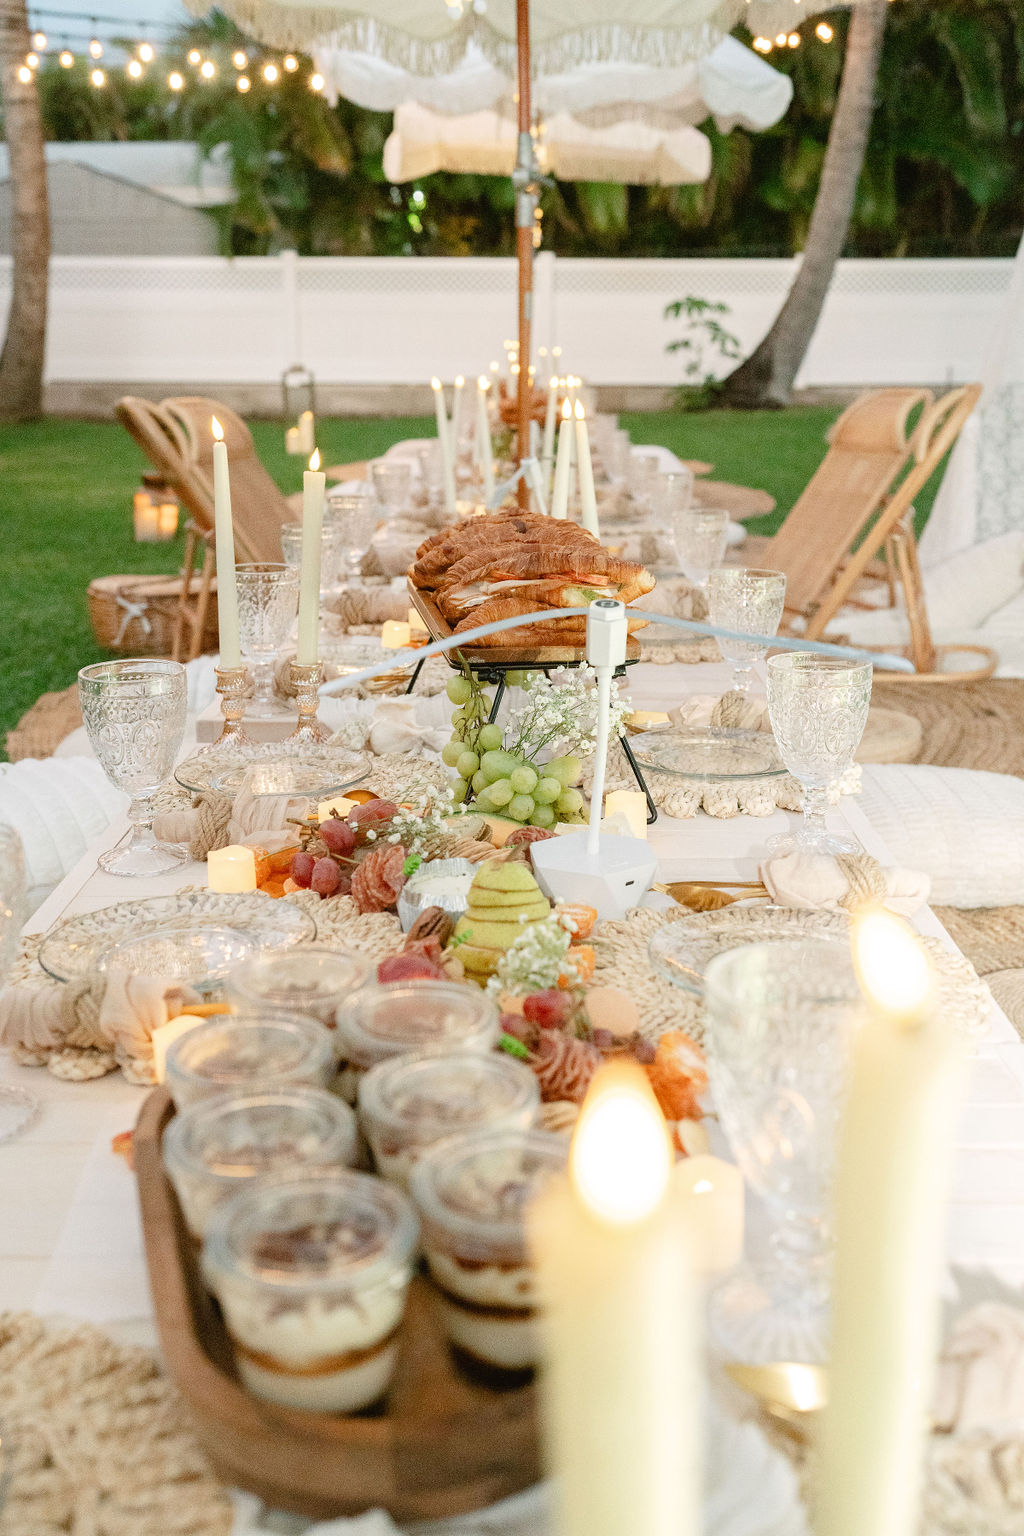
[[100, 1441]]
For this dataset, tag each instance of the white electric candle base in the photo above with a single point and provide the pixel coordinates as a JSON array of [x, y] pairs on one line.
[[616, 877]]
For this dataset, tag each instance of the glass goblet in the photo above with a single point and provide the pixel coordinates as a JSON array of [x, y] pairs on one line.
[[134, 715], [673, 492], [392, 481], [268, 601], [354, 515], [700, 535], [330, 553], [780, 1019], [643, 478], [751, 600], [818, 707]]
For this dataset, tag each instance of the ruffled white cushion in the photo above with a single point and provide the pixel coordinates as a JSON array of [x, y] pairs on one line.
[[961, 827], [57, 806]]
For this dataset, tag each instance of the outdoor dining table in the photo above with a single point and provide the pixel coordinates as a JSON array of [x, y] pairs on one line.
[[70, 1243]]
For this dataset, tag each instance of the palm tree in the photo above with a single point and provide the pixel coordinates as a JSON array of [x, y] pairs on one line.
[[766, 377], [21, 361]]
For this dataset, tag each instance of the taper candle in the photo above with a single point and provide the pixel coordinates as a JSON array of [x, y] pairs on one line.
[[484, 446], [314, 483], [585, 470], [563, 464], [547, 452], [227, 596], [447, 453]]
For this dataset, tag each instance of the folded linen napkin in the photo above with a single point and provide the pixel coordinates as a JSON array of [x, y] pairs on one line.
[[399, 726], [981, 1371], [819, 882], [218, 822], [734, 711]]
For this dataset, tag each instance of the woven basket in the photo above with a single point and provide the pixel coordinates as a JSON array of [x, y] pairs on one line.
[[136, 615]]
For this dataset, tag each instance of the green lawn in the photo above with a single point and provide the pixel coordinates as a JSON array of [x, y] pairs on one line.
[[66, 490]]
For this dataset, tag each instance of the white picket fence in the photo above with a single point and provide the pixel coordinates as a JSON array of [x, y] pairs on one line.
[[397, 320]]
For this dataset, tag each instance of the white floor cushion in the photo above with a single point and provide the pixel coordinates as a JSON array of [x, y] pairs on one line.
[[962, 828], [57, 806]]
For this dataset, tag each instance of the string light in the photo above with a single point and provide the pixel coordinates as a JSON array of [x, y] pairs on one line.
[[824, 31], [175, 81], [98, 78], [763, 44], [793, 39], [208, 69], [134, 69], [67, 59], [316, 82], [291, 63], [32, 60], [39, 41], [24, 74], [194, 56], [781, 40], [95, 49], [270, 73], [146, 52], [243, 83], [239, 59]]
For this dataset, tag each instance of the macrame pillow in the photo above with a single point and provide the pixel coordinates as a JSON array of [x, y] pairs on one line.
[[962, 828]]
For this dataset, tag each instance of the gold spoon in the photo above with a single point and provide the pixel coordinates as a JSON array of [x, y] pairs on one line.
[[787, 1391]]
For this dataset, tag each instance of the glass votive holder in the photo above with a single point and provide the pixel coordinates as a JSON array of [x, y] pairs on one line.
[[472, 1192], [312, 1274], [393, 1020], [309, 979], [409, 1103], [240, 1052], [216, 1146]]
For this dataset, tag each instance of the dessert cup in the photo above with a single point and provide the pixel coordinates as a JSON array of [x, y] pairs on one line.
[[242, 1052], [409, 1103], [393, 1020], [472, 1192], [309, 979], [312, 1274], [216, 1146]]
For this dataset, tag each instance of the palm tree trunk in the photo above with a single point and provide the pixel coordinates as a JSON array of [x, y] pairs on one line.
[[766, 377], [21, 361]]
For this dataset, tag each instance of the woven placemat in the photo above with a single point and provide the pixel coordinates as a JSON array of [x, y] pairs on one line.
[[101, 1442]]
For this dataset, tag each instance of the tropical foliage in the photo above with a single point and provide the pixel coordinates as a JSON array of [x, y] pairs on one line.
[[942, 177]]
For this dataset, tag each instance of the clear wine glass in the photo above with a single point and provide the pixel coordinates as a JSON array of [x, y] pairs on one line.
[[673, 492], [700, 535], [355, 515], [780, 1018], [392, 481], [818, 707], [432, 474], [751, 600], [134, 714], [643, 478], [268, 601]]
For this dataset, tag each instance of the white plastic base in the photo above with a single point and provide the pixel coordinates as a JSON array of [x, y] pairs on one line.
[[617, 877]]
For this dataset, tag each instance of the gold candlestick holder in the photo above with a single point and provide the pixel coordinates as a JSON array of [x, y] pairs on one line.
[[306, 679], [235, 687]]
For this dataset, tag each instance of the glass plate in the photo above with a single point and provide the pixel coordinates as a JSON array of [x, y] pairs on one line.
[[75, 947], [201, 956], [277, 768], [681, 949], [717, 757]]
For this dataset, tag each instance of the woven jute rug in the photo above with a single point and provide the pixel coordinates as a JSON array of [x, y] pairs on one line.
[[966, 725]]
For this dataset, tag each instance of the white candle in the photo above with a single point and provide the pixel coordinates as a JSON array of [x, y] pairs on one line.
[[447, 457], [456, 422], [633, 806], [164, 1036], [292, 443], [484, 446], [547, 452], [314, 484], [307, 432], [620, 1382], [588, 496], [146, 517], [231, 869], [894, 1174], [227, 597], [395, 634], [713, 1192], [560, 493]]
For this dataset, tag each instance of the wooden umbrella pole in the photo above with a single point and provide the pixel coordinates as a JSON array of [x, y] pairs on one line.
[[524, 241]]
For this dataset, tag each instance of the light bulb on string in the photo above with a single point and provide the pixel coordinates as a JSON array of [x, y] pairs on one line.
[[39, 41], [781, 40], [793, 40], [67, 59], [32, 60], [239, 59], [194, 56], [243, 83], [146, 52], [316, 82], [824, 32], [175, 80], [291, 63], [24, 74], [98, 78], [95, 49], [270, 73], [134, 69], [207, 69]]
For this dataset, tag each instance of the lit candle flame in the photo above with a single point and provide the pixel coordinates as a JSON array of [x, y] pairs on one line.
[[567, 410], [892, 967], [314, 462], [216, 429], [580, 412], [621, 1156]]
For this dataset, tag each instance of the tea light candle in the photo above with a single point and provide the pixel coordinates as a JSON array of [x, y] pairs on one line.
[[619, 1323], [227, 596], [395, 635], [314, 486], [713, 1191], [633, 806], [231, 869], [563, 464], [164, 1036]]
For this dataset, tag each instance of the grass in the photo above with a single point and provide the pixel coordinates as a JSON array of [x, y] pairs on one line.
[[66, 490]]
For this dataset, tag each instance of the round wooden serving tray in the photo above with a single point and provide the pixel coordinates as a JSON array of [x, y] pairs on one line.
[[444, 1443]]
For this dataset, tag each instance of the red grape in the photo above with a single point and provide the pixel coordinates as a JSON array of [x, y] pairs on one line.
[[302, 868], [373, 811], [550, 1009], [338, 835], [326, 877], [407, 968]]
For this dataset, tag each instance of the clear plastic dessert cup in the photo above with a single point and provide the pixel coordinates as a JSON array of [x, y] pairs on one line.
[[312, 1273], [310, 979], [472, 1192], [393, 1020], [237, 1053], [409, 1103], [216, 1146]]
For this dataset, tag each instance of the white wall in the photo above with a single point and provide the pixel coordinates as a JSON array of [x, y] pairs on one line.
[[398, 320]]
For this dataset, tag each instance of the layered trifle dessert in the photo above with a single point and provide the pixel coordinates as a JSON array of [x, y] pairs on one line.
[[217, 1145], [409, 1103], [236, 1053], [394, 1019], [312, 1274], [472, 1192]]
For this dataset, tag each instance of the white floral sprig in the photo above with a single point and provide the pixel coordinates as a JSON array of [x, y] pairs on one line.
[[560, 714], [537, 959], [428, 814]]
